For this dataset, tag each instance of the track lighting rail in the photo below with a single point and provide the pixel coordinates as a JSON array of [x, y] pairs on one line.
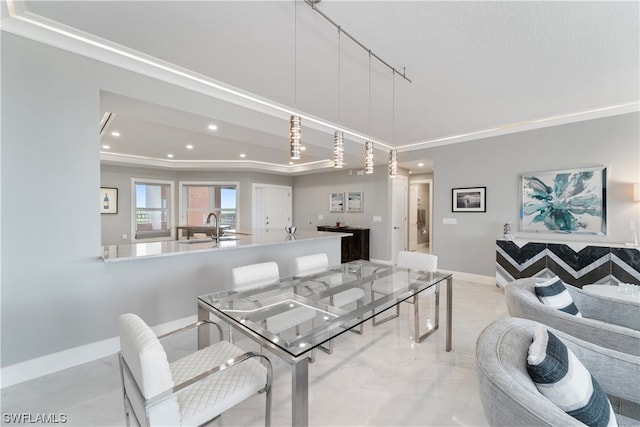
[[402, 74]]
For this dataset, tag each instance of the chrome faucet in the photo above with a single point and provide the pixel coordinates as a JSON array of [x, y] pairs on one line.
[[208, 223]]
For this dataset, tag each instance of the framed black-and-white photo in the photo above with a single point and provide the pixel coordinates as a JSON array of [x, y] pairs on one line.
[[471, 199], [108, 200], [336, 202], [354, 201]]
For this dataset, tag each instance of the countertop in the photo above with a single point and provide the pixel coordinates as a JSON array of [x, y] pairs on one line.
[[133, 251]]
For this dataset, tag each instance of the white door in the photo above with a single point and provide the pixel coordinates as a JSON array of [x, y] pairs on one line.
[[399, 205], [272, 206]]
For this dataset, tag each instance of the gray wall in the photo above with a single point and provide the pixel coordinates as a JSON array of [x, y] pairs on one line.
[[497, 164], [311, 198], [56, 292], [113, 226]]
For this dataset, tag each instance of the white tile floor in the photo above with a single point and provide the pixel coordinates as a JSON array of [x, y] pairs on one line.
[[380, 378]]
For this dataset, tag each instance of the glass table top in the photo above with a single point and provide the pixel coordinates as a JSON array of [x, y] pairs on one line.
[[297, 314]]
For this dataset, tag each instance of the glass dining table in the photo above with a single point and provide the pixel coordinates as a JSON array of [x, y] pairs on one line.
[[297, 315]]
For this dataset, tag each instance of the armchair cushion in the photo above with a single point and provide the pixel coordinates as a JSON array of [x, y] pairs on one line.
[[561, 378], [554, 294], [206, 399]]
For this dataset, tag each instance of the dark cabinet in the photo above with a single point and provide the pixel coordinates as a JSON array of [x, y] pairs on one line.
[[353, 247]]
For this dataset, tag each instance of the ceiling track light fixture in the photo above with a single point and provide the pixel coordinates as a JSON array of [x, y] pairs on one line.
[[313, 3], [393, 154], [338, 136], [295, 123], [368, 145]]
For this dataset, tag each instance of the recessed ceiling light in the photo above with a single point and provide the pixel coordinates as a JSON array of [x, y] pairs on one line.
[[106, 147], [170, 156], [212, 127], [290, 163], [421, 164], [243, 155], [115, 133], [302, 148], [189, 147]]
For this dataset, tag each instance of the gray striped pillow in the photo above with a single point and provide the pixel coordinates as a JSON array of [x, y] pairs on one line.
[[553, 293], [563, 379]]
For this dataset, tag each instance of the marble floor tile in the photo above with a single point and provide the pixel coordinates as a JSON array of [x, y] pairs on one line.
[[380, 378]]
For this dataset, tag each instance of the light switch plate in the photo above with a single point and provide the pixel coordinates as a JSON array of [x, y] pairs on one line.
[[377, 218], [450, 221], [320, 217]]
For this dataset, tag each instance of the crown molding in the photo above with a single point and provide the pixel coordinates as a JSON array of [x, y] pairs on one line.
[[527, 125]]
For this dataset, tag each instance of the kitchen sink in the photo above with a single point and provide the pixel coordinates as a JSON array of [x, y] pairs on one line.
[[221, 239]]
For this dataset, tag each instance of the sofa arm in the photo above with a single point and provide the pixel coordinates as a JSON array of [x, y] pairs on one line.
[[522, 302], [610, 310]]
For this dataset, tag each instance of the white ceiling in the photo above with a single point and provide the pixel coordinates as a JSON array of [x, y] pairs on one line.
[[476, 68]]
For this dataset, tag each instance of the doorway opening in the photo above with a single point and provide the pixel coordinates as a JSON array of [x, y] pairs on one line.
[[420, 215]]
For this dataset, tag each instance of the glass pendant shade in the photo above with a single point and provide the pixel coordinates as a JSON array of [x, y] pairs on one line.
[[338, 149], [393, 163], [295, 137], [368, 157]]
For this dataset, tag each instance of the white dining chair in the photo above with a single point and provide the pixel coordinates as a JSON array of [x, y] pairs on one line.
[[190, 391], [253, 276], [309, 265], [415, 261]]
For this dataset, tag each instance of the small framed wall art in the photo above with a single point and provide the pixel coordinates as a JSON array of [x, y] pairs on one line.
[[354, 201], [470, 199], [108, 200], [336, 202]]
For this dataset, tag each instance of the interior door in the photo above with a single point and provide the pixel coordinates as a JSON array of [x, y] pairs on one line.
[[399, 206], [272, 206]]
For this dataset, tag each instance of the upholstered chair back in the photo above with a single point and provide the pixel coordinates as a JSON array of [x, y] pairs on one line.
[[311, 264], [417, 261], [149, 366], [255, 275]]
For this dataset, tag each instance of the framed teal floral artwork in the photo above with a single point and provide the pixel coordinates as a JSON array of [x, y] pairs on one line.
[[567, 201]]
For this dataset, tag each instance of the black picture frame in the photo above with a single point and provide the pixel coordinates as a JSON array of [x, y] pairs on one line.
[[469, 199]]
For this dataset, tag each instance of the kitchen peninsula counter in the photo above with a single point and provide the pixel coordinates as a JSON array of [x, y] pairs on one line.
[[257, 239]]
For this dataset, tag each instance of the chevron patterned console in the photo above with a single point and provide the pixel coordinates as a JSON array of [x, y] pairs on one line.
[[577, 264]]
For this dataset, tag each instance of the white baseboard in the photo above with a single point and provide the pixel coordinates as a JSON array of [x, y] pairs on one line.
[[476, 278], [45, 365]]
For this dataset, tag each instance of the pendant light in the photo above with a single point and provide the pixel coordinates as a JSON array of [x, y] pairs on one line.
[[338, 149], [368, 157], [295, 123], [368, 145], [393, 154], [393, 163], [295, 136], [338, 136]]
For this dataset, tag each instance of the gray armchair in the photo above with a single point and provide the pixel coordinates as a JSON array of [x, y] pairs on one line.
[[607, 322], [510, 398]]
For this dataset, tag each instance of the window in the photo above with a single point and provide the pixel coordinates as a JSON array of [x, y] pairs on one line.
[[198, 199], [153, 211]]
